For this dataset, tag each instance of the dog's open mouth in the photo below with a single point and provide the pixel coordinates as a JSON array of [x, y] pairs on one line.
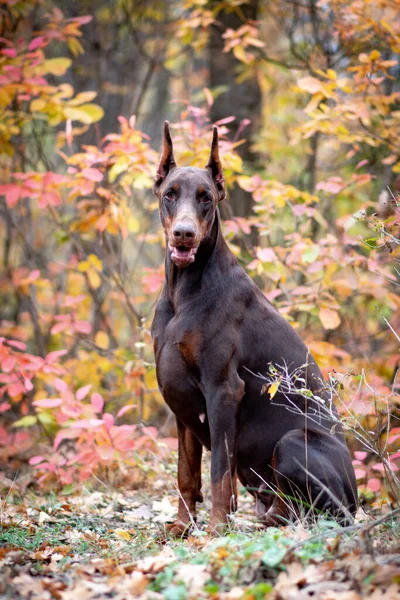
[[182, 256]]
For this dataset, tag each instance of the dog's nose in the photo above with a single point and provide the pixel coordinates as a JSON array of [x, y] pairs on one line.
[[183, 232]]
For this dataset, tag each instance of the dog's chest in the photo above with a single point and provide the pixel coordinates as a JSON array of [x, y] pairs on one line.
[[186, 339]]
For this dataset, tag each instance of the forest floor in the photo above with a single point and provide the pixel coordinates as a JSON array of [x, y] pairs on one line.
[[100, 542]]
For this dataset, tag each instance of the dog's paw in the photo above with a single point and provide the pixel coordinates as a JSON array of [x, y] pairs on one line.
[[217, 527], [178, 529]]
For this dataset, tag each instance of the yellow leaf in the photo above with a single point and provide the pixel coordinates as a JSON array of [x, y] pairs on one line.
[[331, 74], [83, 266], [133, 224], [95, 262], [38, 104], [240, 54], [94, 278], [332, 268], [329, 318], [82, 98], [375, 55], [123, 535], [57, 66], [273, 388], [87, 113], [102, 340]]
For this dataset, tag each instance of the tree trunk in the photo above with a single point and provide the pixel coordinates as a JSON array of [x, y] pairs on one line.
[[240, 100]]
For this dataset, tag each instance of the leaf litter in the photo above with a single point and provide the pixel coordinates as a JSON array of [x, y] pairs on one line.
[[112, 544]]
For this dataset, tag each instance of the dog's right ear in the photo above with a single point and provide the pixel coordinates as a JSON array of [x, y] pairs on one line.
[[167, 160]]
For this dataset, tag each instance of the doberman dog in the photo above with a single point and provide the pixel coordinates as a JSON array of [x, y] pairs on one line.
[[214, 332]]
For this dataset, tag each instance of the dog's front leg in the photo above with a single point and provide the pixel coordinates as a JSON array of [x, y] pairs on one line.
[[189, 480], [223, 402]]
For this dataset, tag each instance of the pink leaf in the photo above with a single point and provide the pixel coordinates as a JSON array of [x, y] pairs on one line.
[[12, 194], [374, 484], [10, 52], [359, 473], [66, 434], [125, 409], [362, 163], [360, 455], [87, 423], [55, 355], [92, 174], [83, 327], [334, 185], [266, 255], [48, 402], [15, 389], [171, 442], [225, 121], [28, 384], [4, 406], [97, 402], [82, 20], [36, 43], [60, 385], [108, 420], [35, 460], [17, 344], [35, 274], [59, 327], [83, 392], [378, 467], [8, 364]]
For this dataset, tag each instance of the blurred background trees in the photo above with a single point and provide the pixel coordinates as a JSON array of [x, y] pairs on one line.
[[306, 96]]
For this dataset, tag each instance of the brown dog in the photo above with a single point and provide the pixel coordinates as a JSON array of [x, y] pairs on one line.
[[213, 332]]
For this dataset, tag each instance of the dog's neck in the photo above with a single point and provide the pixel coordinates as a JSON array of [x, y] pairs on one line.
[[180, 282]]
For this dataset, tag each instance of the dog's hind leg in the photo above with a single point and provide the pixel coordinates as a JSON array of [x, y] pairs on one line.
[[310, 477]]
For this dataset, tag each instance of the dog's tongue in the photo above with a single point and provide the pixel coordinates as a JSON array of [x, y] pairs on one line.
[[183, 256]]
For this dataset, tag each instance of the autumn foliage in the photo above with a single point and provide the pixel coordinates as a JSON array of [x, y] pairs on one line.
[[82, 248]]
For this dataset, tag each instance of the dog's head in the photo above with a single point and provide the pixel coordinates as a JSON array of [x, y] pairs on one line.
[[188, 199]]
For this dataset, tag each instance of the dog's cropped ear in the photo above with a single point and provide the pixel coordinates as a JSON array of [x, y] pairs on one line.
[[167, 160], [214, 166]]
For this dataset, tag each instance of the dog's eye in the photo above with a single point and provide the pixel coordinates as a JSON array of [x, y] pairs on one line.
[[205, 198], [170, 195]]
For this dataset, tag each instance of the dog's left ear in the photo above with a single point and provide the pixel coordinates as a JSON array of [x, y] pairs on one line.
[[214, 166], [167, 160]]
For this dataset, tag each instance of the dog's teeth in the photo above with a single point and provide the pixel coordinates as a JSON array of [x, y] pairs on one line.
[[202, 417]]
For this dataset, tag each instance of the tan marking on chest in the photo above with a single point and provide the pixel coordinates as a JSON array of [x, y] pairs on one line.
[[189, 347]]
